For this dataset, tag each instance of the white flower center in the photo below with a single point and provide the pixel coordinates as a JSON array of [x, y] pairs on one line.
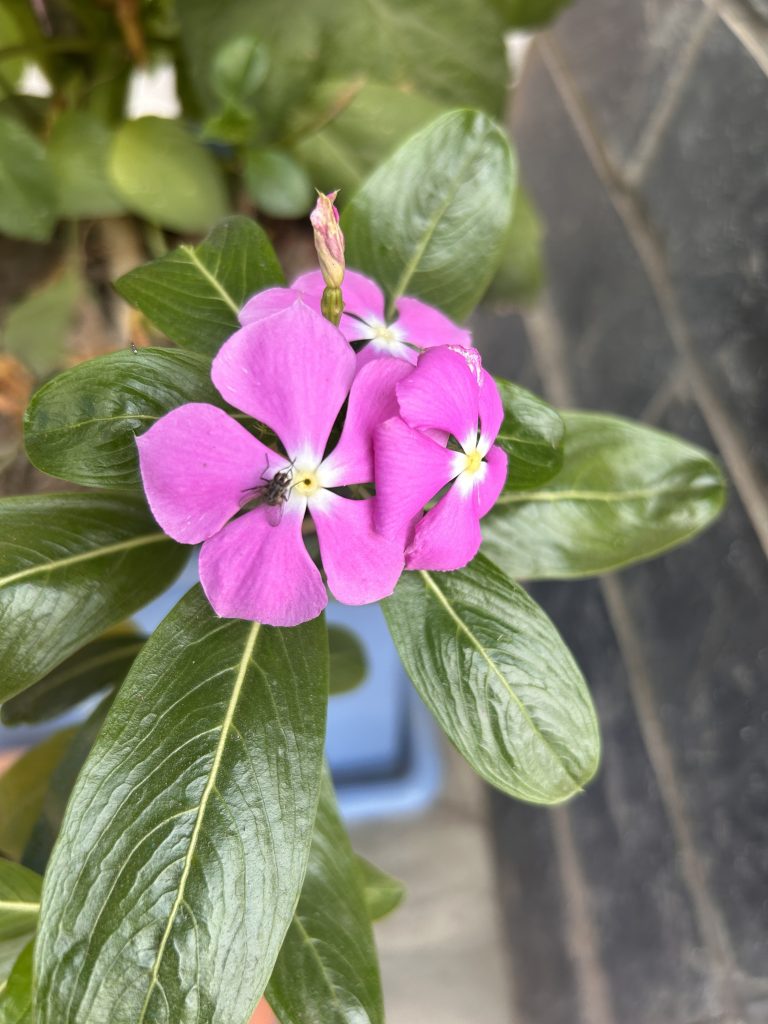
[[385, 335], [305, 482]]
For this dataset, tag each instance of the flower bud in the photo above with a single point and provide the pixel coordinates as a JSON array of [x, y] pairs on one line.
[[329, 241]]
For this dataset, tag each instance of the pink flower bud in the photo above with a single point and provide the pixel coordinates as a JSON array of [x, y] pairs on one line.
[[329, 240]]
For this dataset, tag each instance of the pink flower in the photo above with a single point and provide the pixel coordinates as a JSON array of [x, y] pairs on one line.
[[417, 326], [449, 394], [292, 372]]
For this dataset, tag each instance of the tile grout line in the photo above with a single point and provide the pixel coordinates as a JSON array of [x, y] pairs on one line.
[[752, 489], [751, 32], [581, 939], [656, 125], [548, 347]]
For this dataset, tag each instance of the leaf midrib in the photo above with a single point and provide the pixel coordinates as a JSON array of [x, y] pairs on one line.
[[19, 906], [492, 665], [84, 556], [210, 785], [631, 494], [195, 260]]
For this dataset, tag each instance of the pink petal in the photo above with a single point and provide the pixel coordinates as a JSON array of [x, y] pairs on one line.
[[361, 565], [372, 400], [491, 411], [197, 464], [254, 570], [273, 300], [490, 487], [427, 327], [410, 468], [291, 371], [448, 537], [372, 352], [361, 296], [442, 393]]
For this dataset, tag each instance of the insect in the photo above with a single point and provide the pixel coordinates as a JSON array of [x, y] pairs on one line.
[[134, 349], [273, 493]]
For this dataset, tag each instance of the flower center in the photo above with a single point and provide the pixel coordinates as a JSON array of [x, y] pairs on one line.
[[305, 481], [474, 461], [385, 334]]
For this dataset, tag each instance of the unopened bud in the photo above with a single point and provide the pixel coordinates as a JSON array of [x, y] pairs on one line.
[[329, 240]]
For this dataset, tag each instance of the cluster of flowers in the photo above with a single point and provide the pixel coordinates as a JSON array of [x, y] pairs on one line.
[[421, 419]]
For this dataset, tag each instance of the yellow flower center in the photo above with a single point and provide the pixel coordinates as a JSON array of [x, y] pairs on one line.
[[384, 333], [474, 461], [305, 481]]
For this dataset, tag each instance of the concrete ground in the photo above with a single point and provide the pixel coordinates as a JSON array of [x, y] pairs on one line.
[[442, 954]]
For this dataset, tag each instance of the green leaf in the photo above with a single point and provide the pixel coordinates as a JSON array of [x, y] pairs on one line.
[[353, 125], [77, 149], [195, 292], [28, 207], [161, 173], [383, 893], [277, 183], [186, 839], [520, 276], [37, 328], [19, 907], [431, 221], [348, 661], [71, 565], [102, 664], [625, 493], [327, 971], [495, 673], [82, 425], [531, 434], [22, 791], [528, 13], [16, 998], [238, 70], [45, 831]]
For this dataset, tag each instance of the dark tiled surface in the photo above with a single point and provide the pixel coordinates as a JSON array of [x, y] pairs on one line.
[[680, 935], [707, 197], [618, 344], [622, 54], [704, 612], [543, 980], [648, 941]]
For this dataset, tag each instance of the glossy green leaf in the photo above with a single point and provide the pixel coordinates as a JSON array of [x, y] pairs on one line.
[[19, 907], [71, 565], [100, 665], [495, 673], [528, 13], [327, 971], [77, 149], [16, 997], [163, 174], [28, 207], [238, 70], [186, 839], [82, 425], [353, 125], [520, 276], [37, 328], [625, 493], [431, 221], [195, 292], [47, 825], [348, 661], [277, 183], [531, 434], [382, 892], [22, 791]]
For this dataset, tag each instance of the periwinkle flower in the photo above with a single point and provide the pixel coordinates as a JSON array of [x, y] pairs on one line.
[[417, 326], [201, 470], [448, 396]]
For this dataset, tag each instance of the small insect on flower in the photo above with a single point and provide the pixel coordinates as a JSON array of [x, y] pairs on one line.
[[273, 493]]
